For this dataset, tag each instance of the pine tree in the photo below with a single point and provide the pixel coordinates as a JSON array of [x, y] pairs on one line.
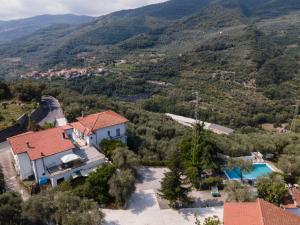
[[172, 184]]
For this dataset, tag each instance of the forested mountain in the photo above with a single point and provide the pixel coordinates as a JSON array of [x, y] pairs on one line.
[[239, 54], [14, 29]]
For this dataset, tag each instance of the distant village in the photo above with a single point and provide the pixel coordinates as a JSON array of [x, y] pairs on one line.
[[65, 73]]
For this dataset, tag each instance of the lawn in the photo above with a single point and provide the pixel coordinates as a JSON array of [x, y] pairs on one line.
[[11, 110]]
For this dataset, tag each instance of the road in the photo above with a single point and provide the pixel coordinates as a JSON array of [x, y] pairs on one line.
[[49, 112], [11, 179]]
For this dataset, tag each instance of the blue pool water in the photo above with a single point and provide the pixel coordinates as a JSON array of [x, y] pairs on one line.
[[258, 170]]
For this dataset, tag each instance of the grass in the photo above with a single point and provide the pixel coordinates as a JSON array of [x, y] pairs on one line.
[[12, 110]]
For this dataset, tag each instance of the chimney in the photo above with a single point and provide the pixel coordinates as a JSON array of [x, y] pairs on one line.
[[28, 145]]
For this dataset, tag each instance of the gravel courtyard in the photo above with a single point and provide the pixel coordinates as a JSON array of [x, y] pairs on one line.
[[144, 208]]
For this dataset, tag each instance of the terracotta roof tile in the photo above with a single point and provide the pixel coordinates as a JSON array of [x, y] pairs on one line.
[[101, 120], [296, 195], [41, 144], [257, 213], [81, 128]]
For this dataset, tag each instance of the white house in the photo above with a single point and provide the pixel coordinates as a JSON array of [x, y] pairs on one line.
[[66, 152], [92, 129]]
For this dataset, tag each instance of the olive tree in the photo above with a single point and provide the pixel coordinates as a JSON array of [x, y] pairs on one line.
[[121, 186]]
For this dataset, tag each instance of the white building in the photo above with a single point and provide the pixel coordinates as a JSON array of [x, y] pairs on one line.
[[92, 129], [66, 152]]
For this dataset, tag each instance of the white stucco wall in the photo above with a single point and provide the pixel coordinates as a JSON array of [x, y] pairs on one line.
[[103, 134], [40, 165]]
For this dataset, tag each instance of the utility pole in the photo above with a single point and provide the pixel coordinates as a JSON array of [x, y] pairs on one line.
[[195, 133], [293, 125]]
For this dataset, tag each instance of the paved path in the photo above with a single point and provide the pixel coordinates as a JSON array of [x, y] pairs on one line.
[[11, 179], [50, 111], [144, 210]]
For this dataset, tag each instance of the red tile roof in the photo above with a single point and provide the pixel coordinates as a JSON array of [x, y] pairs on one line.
[[296, 195], [81, 128], [257, 213], [101, 120], [41, 144]]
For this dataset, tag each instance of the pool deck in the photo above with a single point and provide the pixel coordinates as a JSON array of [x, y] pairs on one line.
[[273, 167]]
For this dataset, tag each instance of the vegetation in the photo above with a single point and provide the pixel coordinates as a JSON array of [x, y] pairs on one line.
[[272, 189], [209, 221], [97, 186], [122, 185], [172, 187], [108, 146], [10, 208], [66, 209], [123, 158], [16, 99], [238, 192]]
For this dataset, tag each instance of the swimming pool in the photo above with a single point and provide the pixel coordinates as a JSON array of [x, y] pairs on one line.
[[258, 169]]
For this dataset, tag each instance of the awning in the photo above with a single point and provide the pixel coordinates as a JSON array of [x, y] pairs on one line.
[[69, 158]]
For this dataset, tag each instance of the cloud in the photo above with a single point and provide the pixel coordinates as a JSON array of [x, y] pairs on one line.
[[15, 9]]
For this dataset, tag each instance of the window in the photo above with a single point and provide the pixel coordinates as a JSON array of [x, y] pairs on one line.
[[118, 132], [108, 133]]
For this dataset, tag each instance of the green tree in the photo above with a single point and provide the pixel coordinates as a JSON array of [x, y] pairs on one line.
[[237, 192], [123, 158], [109, 146], [172, 187], [97, 186], [290, 164], [205, 152], [27, 91], [121, 186], [5, 92], [240, 166], [62, 208], [10, 208], [272, 188]]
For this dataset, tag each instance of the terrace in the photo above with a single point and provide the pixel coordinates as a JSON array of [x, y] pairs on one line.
[[87, 158]]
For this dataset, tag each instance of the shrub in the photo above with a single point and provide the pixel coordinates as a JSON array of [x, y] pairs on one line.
[[210, 182], [108, 146]]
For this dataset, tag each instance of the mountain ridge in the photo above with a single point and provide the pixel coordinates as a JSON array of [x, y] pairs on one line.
[[15, 29]]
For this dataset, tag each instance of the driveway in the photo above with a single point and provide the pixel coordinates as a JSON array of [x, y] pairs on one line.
[[49, 112], [150, 177], [146, 208], [11, 179]]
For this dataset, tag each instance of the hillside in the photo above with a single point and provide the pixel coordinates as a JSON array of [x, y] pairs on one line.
[[15, 29], [241, 56]]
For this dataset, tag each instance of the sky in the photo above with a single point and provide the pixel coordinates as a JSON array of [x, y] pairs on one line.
[[16, 9]]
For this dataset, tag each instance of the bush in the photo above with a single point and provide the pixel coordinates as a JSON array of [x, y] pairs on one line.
[[108, 146], [210, 182], [97, 184]]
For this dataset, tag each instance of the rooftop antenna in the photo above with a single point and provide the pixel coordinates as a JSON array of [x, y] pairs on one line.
[[293, 125]]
